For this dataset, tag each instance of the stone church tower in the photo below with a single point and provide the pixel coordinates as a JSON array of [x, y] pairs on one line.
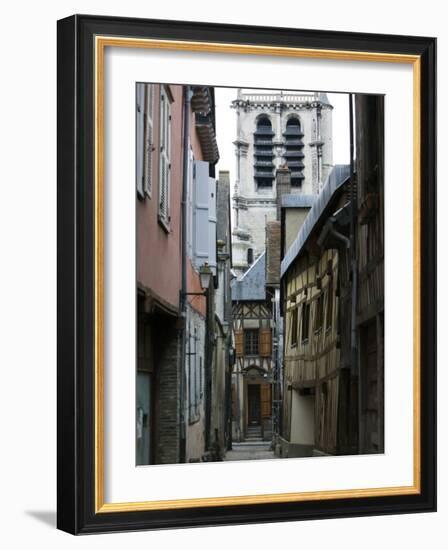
[[273, 130]]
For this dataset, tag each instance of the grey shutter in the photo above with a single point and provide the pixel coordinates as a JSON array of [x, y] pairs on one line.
[[147, 175], [212, 225], [140, 110], [164, 158], [201, 205]]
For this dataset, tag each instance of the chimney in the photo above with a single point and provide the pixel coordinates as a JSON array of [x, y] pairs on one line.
[[273, 245], [283, 185]]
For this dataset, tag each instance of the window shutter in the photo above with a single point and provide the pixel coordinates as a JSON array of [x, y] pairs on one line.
[[164, 158], [212, 225], [148, 140], [265, 398], [265, 342], [140, 112], [239, 342], [201, 206]]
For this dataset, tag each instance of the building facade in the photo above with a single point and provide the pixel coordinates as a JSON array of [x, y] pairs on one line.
[[179, 391], [273, 130], [315, 274]]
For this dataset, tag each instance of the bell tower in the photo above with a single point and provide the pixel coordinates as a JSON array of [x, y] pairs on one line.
[[275, 129]]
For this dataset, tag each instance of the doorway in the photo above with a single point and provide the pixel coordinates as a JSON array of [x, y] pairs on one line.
[[254, 404]]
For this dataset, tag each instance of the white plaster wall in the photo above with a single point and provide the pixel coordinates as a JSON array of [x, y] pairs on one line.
[[302, 418], [327, 149]]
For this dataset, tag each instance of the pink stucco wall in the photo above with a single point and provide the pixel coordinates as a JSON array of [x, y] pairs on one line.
[[158, 251], [159, 259]]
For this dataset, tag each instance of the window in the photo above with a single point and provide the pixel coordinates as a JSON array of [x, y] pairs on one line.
[[250, 256], [294, 326], [251, 342], [319, 313], [305, 322], [263, 153], [294, 150], [164, 157]]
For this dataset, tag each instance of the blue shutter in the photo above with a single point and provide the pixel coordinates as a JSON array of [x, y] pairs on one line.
[[201, 205], [212, 225]]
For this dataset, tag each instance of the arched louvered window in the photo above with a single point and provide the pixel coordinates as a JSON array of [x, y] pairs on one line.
[[250, 256], [264, 153], [294, 150]]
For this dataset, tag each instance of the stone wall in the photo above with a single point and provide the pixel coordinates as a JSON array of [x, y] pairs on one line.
[[168, 354]]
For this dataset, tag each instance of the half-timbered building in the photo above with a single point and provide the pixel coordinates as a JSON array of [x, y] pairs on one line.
[[252, 371], [315, 289]]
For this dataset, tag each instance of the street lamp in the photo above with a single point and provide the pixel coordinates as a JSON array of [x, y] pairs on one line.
[[205, 276]]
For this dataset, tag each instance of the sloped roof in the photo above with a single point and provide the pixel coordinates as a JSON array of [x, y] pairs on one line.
[[251, 286], [337, 177], [298, 201]]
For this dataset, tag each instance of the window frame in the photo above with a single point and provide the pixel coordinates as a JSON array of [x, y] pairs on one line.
[[306, 307], [294, 327], [255, 333]]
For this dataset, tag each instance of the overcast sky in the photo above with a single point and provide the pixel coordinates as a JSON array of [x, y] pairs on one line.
[[226, 129]]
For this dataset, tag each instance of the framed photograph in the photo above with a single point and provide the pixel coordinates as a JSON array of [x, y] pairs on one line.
[[246, 274]]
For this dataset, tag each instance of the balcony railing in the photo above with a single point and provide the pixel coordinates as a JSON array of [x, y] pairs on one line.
[[275, 98]]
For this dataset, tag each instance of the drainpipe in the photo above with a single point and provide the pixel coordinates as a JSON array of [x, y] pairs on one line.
[[183, 295]]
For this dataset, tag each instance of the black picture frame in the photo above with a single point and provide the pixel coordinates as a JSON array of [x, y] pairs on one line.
[[76, 255]]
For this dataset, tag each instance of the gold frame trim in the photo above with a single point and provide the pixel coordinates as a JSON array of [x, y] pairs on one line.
[[101, 42]]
